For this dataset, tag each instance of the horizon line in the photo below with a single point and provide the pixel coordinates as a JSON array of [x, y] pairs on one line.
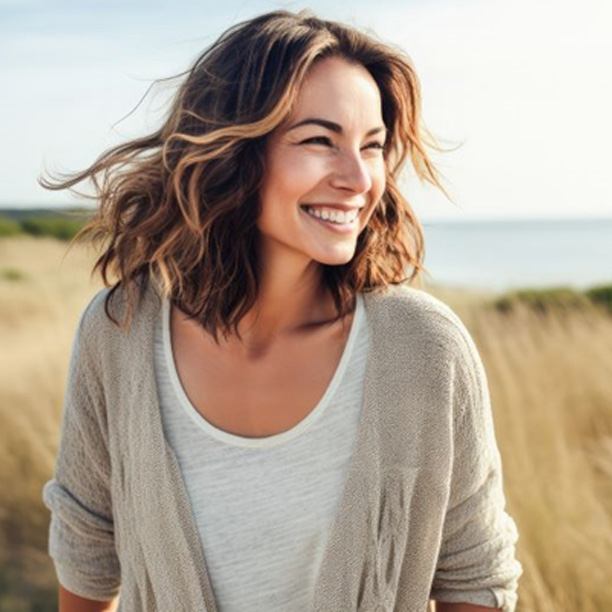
[[423, 219]]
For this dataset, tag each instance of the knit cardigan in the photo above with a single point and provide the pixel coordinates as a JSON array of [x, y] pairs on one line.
[[422, 513]]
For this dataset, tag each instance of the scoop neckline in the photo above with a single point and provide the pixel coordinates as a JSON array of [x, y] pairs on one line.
[[266, 441]]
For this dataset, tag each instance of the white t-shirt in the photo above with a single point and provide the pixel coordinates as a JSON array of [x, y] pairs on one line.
[[264, 506]]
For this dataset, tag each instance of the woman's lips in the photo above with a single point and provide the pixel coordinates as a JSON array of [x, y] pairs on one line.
[[344, 228], [343, 207]]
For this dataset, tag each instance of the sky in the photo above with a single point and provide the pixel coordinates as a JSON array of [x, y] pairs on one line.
[[521, 91]]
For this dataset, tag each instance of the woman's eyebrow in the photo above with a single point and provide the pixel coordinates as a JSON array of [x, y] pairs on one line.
[[331, 125]]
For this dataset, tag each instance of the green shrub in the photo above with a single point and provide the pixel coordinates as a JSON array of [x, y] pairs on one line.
[[601, 295], [11, 274], [62, 229], [8, 227], [542, 300]]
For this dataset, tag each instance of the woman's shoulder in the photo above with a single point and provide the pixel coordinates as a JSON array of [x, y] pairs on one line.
[[90, 317], [410, 321], [95, 319], [405, 304], [408, 315]]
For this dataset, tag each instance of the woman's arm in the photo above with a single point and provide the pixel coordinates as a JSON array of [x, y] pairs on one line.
[[81, 531], [477, 568], [69, 602], [442, 606]]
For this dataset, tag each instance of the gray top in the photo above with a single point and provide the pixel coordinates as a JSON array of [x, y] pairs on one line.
[[422, 510]]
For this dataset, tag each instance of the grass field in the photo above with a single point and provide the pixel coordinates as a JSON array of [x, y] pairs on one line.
[[550, 376]]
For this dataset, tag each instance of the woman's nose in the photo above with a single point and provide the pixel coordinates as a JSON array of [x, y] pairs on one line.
[[352, 173]]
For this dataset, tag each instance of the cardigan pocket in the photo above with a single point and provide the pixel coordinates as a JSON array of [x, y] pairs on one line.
[[388, 529]]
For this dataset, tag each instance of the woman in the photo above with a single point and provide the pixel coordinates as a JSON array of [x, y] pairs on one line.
[[261, 414]]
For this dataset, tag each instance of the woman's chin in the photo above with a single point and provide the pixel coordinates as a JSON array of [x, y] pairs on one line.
[[338, 258]]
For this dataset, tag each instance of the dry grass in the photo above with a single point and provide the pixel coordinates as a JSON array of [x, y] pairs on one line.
[[38, 315], [551, 388], [550, 380]]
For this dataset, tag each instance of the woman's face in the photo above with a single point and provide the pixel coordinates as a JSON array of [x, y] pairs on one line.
[[333, 162]]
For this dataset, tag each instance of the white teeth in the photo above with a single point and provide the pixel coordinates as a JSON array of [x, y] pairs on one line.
[[334, 216]]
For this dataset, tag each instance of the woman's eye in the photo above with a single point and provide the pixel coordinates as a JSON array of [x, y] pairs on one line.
[[323, 139]]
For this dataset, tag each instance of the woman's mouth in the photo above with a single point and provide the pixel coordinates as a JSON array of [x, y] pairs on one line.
[[338, 221]]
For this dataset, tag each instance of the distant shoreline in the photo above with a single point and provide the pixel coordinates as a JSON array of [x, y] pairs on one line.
[[22, 212]]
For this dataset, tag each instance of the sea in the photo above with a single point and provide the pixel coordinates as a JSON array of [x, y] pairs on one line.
[[500, 255]]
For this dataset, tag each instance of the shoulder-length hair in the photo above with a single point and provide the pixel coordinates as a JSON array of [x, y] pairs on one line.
[[179, 207]]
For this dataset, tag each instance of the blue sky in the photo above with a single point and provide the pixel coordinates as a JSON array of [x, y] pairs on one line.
[[522, 86]]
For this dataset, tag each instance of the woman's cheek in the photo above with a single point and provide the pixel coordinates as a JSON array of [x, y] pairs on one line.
[[304, 169]]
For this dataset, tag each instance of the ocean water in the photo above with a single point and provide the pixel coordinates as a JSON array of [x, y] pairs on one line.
[[510, 254]]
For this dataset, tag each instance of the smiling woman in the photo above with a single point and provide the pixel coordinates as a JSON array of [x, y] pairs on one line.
[[334, 448], [194, 186]]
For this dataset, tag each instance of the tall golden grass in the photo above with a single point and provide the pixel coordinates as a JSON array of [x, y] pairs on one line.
[[550, 379]]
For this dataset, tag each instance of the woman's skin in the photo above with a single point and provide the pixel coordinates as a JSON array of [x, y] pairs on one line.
[[69, 602], [462, 607], [312, 164]]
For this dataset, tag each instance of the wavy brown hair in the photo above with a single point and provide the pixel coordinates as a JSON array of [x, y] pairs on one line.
[[179, 207]]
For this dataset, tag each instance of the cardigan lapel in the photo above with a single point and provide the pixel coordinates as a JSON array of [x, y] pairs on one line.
[[157, 501], [349, 576]]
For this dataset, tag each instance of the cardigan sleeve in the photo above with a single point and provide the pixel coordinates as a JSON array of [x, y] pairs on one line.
[[81, 534], [477, 562]]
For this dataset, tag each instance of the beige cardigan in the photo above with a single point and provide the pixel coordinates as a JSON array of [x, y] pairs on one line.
[[422, 513]]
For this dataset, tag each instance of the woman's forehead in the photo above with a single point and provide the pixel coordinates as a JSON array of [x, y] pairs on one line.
[[339, 92], [333, 77]]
